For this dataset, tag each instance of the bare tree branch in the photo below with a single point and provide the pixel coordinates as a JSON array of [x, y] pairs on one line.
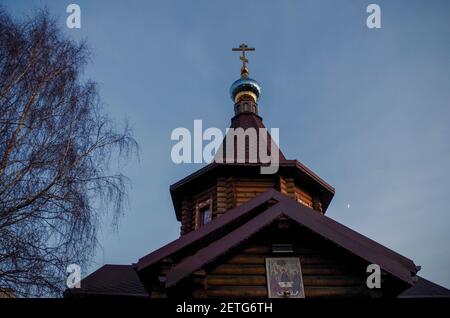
[[55, 150]]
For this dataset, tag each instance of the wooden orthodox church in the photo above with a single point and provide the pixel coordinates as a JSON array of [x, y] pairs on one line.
[[247, 234]]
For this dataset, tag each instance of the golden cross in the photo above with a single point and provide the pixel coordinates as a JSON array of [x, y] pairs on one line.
[[243, 48]]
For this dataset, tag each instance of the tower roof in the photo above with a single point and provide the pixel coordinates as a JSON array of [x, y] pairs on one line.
[[245, 93], [245, 121], [244, 158]]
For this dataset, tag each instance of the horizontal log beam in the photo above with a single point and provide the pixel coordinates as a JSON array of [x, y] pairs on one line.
[[260, 269], [247, 259], [335, 292], [324, 270], [236, 280], [258, 249], [260, 259], [316, 260], [237, 291], [333, 280], [239, 269]]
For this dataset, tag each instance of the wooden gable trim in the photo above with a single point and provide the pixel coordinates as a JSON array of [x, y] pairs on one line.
[[217, 248], [209, 229], [205, 174], [392, 262]]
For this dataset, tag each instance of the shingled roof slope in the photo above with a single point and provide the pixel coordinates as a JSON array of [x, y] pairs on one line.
[[343, 236], [206, 230], [246, 121], [423, 288], [110, 280]]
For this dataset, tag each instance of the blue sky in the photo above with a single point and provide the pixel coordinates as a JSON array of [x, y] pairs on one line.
[[367, 110]]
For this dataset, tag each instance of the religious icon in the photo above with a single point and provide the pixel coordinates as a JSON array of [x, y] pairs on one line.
[[284, 278]]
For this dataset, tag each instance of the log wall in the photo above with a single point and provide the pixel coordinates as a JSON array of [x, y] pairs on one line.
[[230, 192], [324, 274], [246, 189]]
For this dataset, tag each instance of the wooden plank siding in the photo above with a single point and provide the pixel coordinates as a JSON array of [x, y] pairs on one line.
[[186, 216], [324, 274], [246, 189], [230, 192], [289, 188], [303, 197], [225, 195]]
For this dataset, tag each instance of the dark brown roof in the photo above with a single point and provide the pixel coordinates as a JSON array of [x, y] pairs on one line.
[[246, 121], [205, 175], [203, 246], [110, 280], [207, 230], [219, 247], [341, 235], [294, 168], [423, 288]]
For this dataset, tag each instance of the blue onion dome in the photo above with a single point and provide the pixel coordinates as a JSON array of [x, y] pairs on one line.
[[245, 87]]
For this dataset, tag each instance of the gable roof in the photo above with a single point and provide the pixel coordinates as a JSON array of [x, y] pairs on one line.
[[207, 230], [367, 249], [423, 288], [110, 280], [219, 247], [294, 168], [224, 161], [246, 121]]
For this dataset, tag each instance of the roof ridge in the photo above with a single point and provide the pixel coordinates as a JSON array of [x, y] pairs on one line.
[[216, 224], [352, 241], [194, 262]]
